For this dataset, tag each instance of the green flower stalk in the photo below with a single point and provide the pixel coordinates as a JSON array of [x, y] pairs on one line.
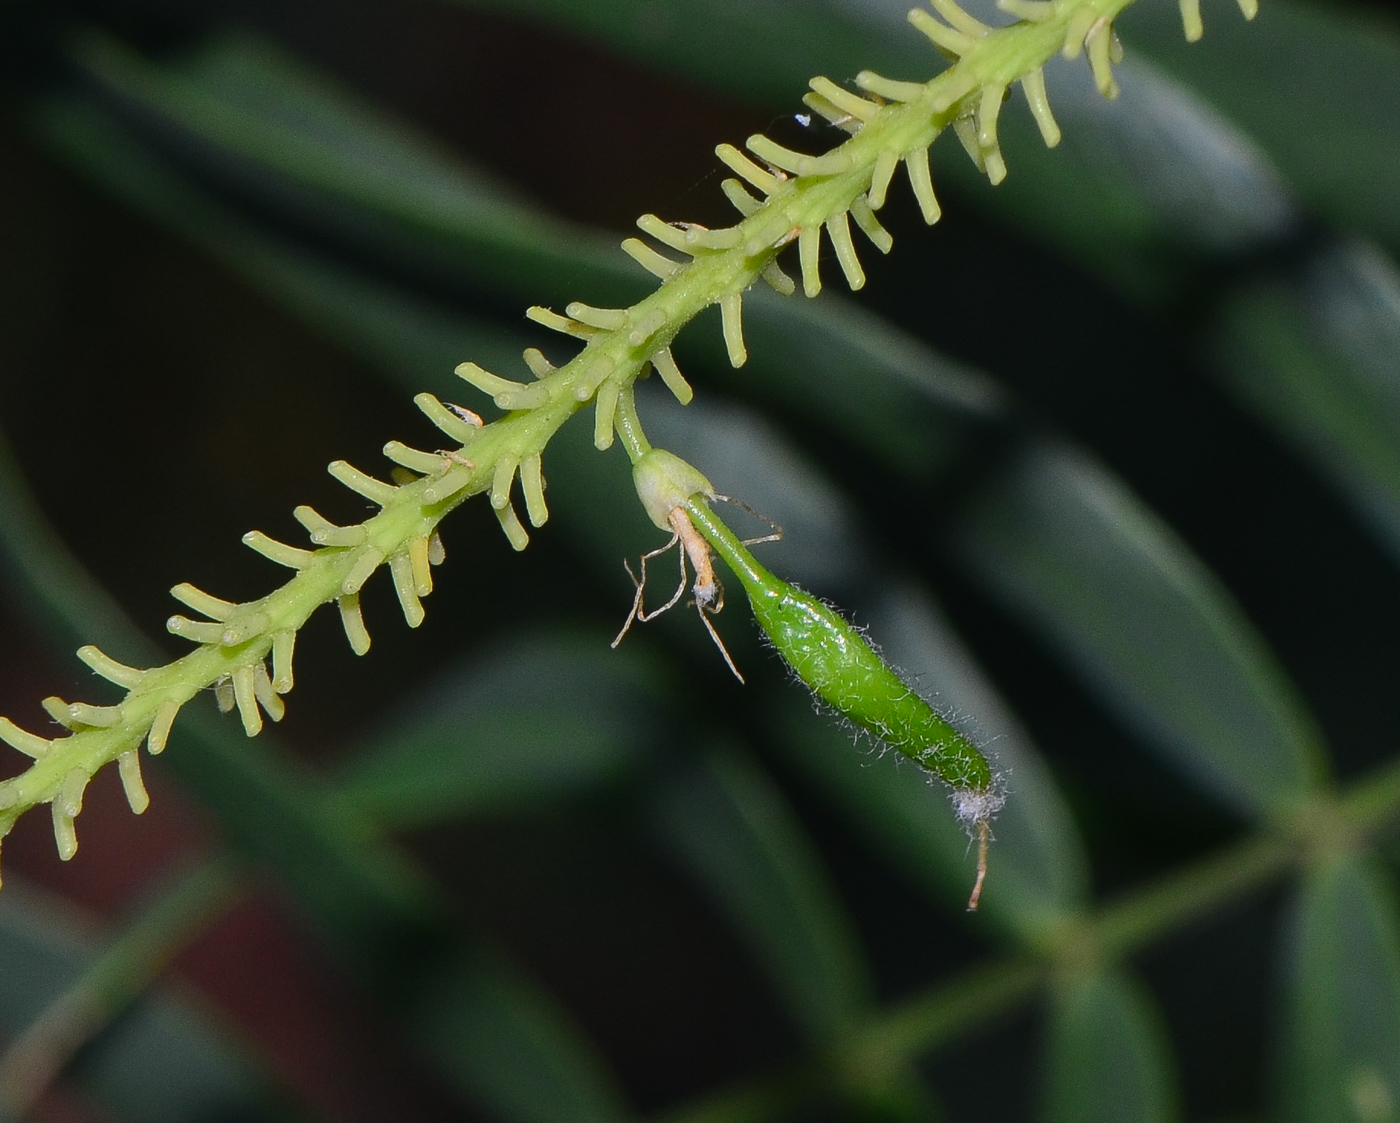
[[782, 196]]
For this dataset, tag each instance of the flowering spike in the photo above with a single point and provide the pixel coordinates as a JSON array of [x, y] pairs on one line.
[[196, 631], [401, 567], [283, 645], [211, 606], [853, 104], [501, 481], [870, 226], [532, 484], [267, 697], [30, 744], [362, 483], [658, 265], [160, 727], [539, 366], [109, 668], [129, 768], [323, 532], [1033, 85], [839, 230], [454, 424], [665, 364], [742, 166], [735, 192], [279, 552], [510, 523], [889, 88], [809, 248], [415, 460], [354, 623], [885, 164], [555, 322], [946, 38], [605, 409], [776, 279], [369, 560], [920, 179], [731, 309], [65, 835], [246, 698]]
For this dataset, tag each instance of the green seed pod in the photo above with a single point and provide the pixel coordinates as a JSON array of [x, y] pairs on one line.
[[841, 667]]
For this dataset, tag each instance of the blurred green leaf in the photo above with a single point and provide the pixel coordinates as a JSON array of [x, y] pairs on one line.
[[1341, 1059], [1063, 542], [1106, 1060], [1316, 86], [165, 1061], [1315, 351], [730, 825], [539, 718]]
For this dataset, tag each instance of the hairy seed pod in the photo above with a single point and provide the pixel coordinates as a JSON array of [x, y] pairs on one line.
[[846, 672]]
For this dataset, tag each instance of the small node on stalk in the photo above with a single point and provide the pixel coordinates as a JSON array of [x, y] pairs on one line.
[[658, 265], [1191, 24], [223, 696], [459, 424], [885, 164], [109, 668], [951, 41], [809, 248], [378, 492], [539, 366], [777, 280], [129, 769], [501, 481], [515, 534], [244, 627], [416, 460], [736, 193], [507, 395], [605, 410], [30, 744], [369, 560], [354, 623], [94, 717], [1033, 86], [548, 318], [65, 834], [437, 552], [921, 180], [323, 532], [196, 631], [420, 559], [838, 229], [665, 364], [401, 569], [852, 105], [159, 733], [211, 606], [266, 695], [645, 327], [604, 319], [593, 377], [279, 552], [967, 24], [283, 645], [731, 309], [1103, 49], [889, 88], [246, 699], [742, 166], [870, 226]]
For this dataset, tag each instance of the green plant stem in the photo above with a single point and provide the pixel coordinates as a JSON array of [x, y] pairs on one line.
[[985, 992]]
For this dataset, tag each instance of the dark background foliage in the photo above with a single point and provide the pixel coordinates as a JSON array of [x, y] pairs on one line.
[[162, 402]]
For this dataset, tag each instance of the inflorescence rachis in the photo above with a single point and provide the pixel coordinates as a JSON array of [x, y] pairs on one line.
[[782, 197]]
